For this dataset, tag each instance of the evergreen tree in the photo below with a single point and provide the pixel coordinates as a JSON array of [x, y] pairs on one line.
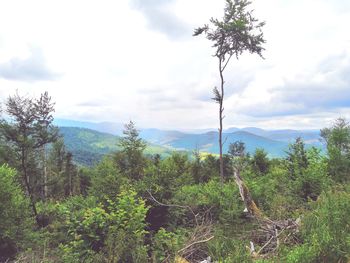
[[62, 171], [338, 147], [260, 162], [130, 159], [28, 131], [296, 160]]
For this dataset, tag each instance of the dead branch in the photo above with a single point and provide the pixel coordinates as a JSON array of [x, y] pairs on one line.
[[201, 233], [270, 229], [174, 205], [195, 243]]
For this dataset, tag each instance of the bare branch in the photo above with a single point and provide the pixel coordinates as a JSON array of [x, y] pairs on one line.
[[223, 68], [194, 243], [174, 205]]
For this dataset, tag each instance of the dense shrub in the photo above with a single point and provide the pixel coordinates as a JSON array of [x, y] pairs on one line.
[[14, 213], [106, 179], [326, 231], [221, 200], [95, 232]]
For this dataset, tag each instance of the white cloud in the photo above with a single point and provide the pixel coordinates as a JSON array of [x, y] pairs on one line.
[[121, 61]]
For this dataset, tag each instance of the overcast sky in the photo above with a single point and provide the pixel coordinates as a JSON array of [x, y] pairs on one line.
[[120, 60]]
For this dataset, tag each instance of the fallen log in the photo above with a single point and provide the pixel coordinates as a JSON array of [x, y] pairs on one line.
[[271, 229]]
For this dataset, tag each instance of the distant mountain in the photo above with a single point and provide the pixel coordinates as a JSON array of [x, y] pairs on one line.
[[275, 142], [161, 137], [208, 142], [106, 127], [311, 137], [158, 135], [89, 146]]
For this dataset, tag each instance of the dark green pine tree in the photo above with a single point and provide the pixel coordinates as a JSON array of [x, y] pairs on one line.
[[337, 139], [130, 159], [296, 159], [30, 128]]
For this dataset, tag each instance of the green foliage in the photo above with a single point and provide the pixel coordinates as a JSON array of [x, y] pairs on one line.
[[222, 199], [168, 176], [62, 176], [89, 146], [112, 223], [98, 229], [166, 244], [237, 32], [306, 171], [296, 160], [326, 231], [210, 168], [271, 192], [315, 178], [131, 160], [228, 250], [338, 146], [260, 162], [283, 195], [28, 131], [14, 212], [106, 180], [7, 154]]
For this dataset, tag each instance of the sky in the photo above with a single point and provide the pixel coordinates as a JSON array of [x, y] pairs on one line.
[[137, 60]]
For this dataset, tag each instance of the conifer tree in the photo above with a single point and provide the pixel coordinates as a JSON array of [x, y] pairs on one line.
[[30, 128], [132, 147]]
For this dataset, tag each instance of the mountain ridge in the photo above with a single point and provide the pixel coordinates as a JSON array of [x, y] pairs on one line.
[[101, 141]]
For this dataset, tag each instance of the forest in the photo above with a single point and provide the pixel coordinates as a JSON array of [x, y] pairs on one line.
[[132, 207], [143, 203]]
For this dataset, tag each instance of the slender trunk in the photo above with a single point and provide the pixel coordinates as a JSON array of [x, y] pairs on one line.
[[221, 110], [45, 190], [27, 184], [70, 184]]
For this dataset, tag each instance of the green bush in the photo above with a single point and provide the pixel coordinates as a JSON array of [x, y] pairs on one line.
[[166, 244], [228, 250], [113, 231], [15, 218], [326, 231], [222, 200], [106, 180]]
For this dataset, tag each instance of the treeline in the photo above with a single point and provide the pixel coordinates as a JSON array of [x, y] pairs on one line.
[[136, 208]]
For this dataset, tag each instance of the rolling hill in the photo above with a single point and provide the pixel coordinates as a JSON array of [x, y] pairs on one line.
[[89, 146], [208, 142], [89, 142], [160, 136]]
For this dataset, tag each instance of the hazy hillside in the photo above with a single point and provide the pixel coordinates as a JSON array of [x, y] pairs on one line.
[[89, 146], [208, 142], [159, 136], [90, 141], [106, 127]]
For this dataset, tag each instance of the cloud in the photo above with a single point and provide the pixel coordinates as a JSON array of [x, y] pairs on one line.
[[324, 88], [30, 69], [161, 18], [92, 103]]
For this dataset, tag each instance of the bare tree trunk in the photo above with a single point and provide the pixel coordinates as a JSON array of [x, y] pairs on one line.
[[70, 184], [45, 190], [249, 203], [27, 184], [221, 117], [270, 230]]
